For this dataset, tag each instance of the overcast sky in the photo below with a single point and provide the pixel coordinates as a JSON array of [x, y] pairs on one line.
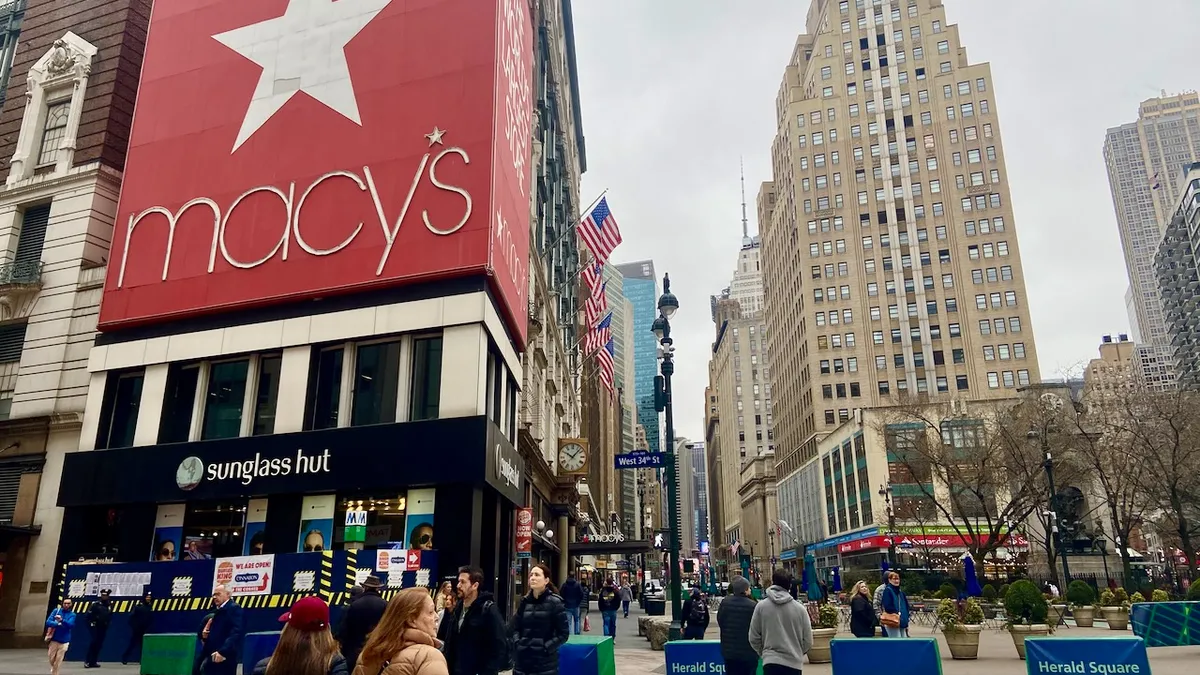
[[674, 91]]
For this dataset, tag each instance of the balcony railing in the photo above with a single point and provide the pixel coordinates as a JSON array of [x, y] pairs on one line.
[[21, 274]]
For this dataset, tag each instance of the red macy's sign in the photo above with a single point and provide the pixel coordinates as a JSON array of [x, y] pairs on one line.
[[292, 149]]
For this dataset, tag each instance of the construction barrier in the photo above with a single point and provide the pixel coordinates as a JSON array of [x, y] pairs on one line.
[[1166, 624], [587, 655], [703, 657], [1086, 656], [869, 656], [169, 654]]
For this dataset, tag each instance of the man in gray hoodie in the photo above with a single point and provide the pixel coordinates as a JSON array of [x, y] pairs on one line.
[[780, 630]]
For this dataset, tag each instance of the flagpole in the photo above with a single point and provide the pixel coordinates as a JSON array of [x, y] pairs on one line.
[[578, 219]]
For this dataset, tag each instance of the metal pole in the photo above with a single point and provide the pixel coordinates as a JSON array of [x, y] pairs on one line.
[[1062, 552], [668, 369]]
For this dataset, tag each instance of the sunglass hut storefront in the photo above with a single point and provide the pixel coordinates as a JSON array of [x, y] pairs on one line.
[[287, 515]]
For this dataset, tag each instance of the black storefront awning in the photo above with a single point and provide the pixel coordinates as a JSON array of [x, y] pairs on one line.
[[384, 456]]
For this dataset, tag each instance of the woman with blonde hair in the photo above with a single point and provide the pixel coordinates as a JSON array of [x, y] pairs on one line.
[[444, 600], [404, 642], [862, 612], [306, 645]]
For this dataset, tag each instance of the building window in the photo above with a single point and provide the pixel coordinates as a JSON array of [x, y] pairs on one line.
[[12, 342], [427, 377], [326, 390], [267, 395], [54, 132], [376, 383], [119, 411], [175, 425], [224, 400]]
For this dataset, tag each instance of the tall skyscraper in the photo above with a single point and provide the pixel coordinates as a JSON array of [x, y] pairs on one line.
[[1145, 160], [891, 268], [641, 290], [699, 488]]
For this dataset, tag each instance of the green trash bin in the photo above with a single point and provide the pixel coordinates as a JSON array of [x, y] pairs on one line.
[[756, 593], [168, 654]]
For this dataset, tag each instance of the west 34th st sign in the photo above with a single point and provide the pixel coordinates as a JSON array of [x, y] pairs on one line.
[[295, 149]]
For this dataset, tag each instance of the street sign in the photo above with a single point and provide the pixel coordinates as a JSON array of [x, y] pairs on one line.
[[640, 459]]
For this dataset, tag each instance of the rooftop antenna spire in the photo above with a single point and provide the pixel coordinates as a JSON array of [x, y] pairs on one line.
[[745, 221]]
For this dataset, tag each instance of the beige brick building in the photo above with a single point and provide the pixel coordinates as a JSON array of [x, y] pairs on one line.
[[891, 265]]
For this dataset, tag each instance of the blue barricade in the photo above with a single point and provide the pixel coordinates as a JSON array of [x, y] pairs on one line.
[[1167, 624], [701, 657], [1086, 656], [911, 656], [256, 647]]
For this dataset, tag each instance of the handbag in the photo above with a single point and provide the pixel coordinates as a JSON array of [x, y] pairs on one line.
[[889, 619]]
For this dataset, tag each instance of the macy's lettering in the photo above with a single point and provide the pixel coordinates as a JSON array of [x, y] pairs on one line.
[[294, 209]]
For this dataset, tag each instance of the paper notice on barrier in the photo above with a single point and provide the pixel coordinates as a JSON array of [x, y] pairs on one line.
[[304, 581], [181, 587]]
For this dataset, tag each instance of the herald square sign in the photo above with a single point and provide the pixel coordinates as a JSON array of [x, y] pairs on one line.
[[285, 150]]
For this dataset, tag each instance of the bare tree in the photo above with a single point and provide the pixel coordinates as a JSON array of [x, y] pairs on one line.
[[1160, 436], [981, 471]]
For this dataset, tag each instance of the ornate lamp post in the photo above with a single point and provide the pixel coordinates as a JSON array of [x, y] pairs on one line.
[[667, 306]]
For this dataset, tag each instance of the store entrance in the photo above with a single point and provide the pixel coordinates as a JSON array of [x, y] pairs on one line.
[[213, 529]]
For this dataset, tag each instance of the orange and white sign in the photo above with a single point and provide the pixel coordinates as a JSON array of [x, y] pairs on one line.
[[245, 575]]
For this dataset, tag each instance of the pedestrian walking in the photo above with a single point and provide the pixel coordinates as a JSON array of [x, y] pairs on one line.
[[608, 600], [894, 606], [139, 624], [626, 597], [862, 613], [473, 632], [695, 616], [58, 633], [573, 595], [306, 645], [539, 627], [733, 618], [780, 630], [360, 619], [223, 635], [439, 598], [404, 642], [99, 616]]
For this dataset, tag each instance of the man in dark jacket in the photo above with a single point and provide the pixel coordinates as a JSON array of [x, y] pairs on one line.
[[476, 643], [573, 595], [223, 635], [733, 617], [139, 624], [609, 601], [360, 619], [99, 615]]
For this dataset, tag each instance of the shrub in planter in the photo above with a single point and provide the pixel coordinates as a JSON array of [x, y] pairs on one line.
[[989, 593], [1137, 597], [1115, 606], [1082, 597], [1003, 590], [947, 591], [912, 585], [1025, 604], [826, 627], [961, 626], [1159, 595]]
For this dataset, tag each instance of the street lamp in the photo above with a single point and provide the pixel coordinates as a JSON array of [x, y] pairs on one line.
[[667, 306], [1048, 464], [771, 537], [885, 491]]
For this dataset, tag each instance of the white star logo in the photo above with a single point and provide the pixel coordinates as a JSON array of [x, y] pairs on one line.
[[303, 50], [436, 136]]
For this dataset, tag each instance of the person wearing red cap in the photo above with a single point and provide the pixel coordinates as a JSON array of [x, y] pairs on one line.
[[306, 645]]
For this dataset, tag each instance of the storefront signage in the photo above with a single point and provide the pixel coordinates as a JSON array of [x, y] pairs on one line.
[[603, 538], [506, 472], [1086, 656], [348, 459], [841, 539], [245, 575], [909, 541], [321, 186], [524, 533]]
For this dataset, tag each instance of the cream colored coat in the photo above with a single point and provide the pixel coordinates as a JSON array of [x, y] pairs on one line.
[[418, 656]]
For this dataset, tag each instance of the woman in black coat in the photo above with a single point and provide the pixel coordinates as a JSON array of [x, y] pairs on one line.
[[862, 612], [539, 627]]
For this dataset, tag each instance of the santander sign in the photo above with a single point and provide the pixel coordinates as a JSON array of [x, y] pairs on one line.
[[289, 150]]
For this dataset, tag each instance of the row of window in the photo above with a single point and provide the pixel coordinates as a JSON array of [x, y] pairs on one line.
[[1006, 378], [235, 397], [941, 383], [984, 226], [992, 274], [984, 300], [841, 390], [1004, 352]]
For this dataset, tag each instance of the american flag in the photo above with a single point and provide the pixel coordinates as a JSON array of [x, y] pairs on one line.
[[604, 358], [592, 276], [598, 336], [599, 231], [596, 306]]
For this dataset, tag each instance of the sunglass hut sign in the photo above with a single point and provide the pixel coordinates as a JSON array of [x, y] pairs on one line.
[[192, 470]]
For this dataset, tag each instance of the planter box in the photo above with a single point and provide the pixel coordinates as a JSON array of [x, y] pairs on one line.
[[1019, 633], [820, 652], [1084, 616], [963, 641], [1117, 617]]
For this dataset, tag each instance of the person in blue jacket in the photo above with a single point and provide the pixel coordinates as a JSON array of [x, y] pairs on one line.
[[58, 633], [223, 635], [894, 601], [574, 596]]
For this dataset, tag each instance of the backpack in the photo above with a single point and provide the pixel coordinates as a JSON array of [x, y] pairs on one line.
[[505, 657], [699, 613]]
